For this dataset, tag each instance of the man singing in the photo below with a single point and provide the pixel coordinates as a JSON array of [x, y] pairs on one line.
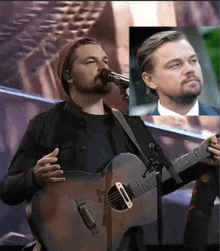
[[81, 133]]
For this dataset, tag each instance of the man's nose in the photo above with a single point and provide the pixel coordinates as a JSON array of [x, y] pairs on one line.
[[188, 68], [103, 66]]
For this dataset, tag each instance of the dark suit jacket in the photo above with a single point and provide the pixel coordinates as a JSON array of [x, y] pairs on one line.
[[204, 109]]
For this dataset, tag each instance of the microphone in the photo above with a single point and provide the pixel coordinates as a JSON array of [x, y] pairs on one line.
[[110, 76]]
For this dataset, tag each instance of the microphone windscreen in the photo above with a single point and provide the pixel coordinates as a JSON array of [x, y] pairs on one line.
[[106, 77]]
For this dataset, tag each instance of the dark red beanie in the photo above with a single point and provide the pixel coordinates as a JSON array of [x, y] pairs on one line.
[[64, 56]]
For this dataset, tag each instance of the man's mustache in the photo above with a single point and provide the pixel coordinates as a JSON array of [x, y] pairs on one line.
[[99, 75], [190, 79]]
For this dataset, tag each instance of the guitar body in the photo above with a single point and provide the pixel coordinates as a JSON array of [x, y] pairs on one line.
[[79, 215]]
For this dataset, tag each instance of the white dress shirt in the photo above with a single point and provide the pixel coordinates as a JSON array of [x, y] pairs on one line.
[[194, 111]]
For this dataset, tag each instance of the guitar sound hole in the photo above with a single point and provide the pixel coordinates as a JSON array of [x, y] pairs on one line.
[[115, 200]]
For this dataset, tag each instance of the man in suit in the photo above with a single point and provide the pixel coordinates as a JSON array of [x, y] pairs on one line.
[[170, 69]]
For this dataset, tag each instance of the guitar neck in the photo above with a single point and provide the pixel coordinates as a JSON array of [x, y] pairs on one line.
[[143, 185], [188, 160]]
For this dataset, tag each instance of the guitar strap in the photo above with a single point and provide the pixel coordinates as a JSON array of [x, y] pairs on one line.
[[129, 132], [147, 163]]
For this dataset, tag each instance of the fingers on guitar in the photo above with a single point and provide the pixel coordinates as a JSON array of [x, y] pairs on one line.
[[57, 180], [50, 168], [214, 151], [214, 145], [47, 160]]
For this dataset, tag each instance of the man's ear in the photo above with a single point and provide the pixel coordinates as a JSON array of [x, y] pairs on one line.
[[148, 80], [68, 76]]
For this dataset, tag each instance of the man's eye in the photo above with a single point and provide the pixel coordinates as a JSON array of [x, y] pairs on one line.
[[90, 62], [175, 66], [193, 61]]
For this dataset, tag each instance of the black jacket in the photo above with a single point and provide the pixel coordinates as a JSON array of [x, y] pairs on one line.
[[64, 126]]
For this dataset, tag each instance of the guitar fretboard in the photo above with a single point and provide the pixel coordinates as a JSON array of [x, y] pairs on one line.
[[142, 185]]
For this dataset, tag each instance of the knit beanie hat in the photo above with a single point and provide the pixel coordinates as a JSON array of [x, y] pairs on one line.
[[64, 57]]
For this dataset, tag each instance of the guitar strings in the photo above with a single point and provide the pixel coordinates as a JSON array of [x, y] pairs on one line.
[[114, 197], [117, 198], [93, 209], [96, 208]]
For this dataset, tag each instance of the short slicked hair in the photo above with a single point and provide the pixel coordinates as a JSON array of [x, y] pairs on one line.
[[145, 53]]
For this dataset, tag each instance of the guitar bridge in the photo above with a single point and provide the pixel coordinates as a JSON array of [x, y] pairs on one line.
[[86, 217]]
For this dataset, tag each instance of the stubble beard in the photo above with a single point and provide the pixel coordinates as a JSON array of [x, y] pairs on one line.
[[101, 90], [185, 98]]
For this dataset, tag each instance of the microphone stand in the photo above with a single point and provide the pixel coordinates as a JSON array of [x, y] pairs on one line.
[[158, 162], [159, 209], [158, 165], [158, 168], [124, 94]]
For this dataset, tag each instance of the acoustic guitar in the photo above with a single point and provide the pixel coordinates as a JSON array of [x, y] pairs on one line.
[[92, 211]]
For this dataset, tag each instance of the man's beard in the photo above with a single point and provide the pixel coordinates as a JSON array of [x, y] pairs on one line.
[[186, 98], [99, 89]]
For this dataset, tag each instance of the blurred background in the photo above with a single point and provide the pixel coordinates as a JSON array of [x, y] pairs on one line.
[[31, 35]]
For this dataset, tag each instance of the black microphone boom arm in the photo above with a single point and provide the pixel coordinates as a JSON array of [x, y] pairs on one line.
[[110, 76]]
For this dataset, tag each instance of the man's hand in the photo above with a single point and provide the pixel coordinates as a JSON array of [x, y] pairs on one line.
[[46, 172], [214, 149]]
